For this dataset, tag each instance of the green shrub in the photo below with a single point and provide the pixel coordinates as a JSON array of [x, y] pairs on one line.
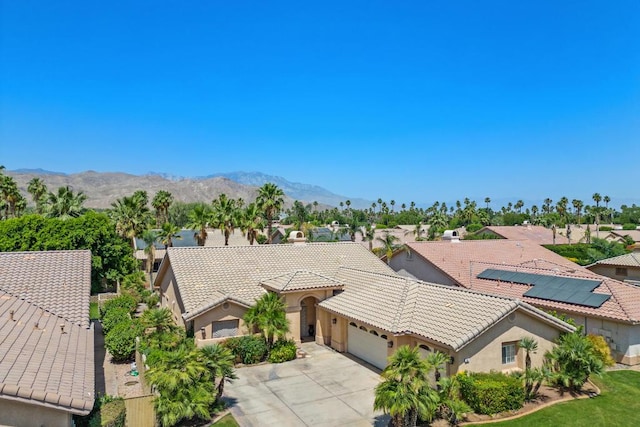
[[108, 412], [602, 349], [472, 228], [121, 340], [627, 226], [122, 301], [606, 228], [114, 316], [152, 300], [491, 393], [248, 349], [283, 351]]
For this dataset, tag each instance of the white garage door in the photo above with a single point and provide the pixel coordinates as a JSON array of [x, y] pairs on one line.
[[367, 346]]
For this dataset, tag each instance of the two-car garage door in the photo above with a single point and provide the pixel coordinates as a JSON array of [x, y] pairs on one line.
[[367, 346]]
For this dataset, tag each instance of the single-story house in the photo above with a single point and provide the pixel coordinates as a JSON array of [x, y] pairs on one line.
[[343, 296], [625, 268], [534, 233], [608, 307], [46, 341]]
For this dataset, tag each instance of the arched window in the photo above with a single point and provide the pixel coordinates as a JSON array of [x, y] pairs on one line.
[[424, 347], [373, 332], [353, 324], [363, 328], [384, 337]]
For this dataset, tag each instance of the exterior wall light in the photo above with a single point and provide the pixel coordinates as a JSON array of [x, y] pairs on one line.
[[390, 344], [203, 332], [334, 320]]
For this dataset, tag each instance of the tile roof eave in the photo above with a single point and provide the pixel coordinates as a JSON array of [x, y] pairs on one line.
[[78, 406], [213, 304]]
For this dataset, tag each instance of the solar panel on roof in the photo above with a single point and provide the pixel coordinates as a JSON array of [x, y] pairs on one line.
[[552, 288]]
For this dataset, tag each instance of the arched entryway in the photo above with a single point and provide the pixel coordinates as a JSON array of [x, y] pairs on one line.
[[308, 319]]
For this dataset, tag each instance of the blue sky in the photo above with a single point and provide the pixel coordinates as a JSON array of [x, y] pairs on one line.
[[423, 101]]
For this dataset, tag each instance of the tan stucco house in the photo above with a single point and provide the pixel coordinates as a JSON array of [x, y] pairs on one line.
[[343, 296], [46, 341], [625, 268], [602, 305]]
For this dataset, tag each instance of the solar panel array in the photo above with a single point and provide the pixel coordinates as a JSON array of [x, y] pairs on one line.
[[552, 288]]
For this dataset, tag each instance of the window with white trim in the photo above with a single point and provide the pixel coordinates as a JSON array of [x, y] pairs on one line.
[[508, 353]]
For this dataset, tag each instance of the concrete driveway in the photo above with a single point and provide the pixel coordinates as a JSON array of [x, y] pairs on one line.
[[324, 389]]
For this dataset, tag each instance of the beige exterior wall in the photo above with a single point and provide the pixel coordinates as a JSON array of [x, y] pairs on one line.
[[170, 297], [485, 352], [294, 302], [225, 311], [633, 273], [19, 414], [419, 268]]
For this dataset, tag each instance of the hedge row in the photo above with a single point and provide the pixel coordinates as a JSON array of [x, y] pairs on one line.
[[491, 393]]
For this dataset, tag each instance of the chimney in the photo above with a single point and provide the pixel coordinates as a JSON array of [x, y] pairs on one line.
[[297, 238], [451, 235]]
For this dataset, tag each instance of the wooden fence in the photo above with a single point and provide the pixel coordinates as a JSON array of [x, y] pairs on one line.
[[140, 412]]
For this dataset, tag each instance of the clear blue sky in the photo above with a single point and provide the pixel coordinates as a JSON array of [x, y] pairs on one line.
[[423, 100]]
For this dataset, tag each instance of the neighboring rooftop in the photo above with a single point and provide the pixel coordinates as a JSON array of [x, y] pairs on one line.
[[46, 345], [535, 233], [448, 315], [627, 260], [203, 274], [299, 280], [464, 261]]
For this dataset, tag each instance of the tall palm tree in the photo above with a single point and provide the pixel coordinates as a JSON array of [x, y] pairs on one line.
[[65, 203], [529, 345], [577, 206], [168, 233], [38, 189], [270, 200], [597, 198], [390, 244], [252, 222], [150, 237], [368, 235], [405, 393], [226, 216], [269, 316], [130, 215], [487, 200], [11, 196], [161, 203], [199, 219]]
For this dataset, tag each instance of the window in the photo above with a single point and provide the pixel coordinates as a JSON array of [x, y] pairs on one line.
[[508, 353], [621, 271], [225, 328]]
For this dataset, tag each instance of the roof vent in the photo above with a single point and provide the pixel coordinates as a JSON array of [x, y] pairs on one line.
[[11, 316], [451, 235], [297, 238], [62, 328]]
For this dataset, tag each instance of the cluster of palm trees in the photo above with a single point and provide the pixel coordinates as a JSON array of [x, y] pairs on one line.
[[189, 381]]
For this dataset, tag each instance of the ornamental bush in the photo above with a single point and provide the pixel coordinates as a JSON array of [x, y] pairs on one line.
[[121, 340], [628, 226], [114, 316], [283, 351], [491, 393], [248, 349], [125, 301]]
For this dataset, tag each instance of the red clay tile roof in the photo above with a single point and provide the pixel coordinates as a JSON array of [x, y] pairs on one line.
[[535, 233], [464, 260], [46, 345]]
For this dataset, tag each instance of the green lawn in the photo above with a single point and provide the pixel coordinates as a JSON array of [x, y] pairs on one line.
[[618, 405], [226, 421], [94, 311]]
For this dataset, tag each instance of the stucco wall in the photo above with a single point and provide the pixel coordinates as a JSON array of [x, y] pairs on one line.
[[633, 273], [225, 311], [419, 268], [485, 352], [293, 301], [19, 414], [170, 297]]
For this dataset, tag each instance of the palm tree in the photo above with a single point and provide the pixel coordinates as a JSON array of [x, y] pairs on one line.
[[352, 229], [269, 316], [389, 245], [37, 188], [199, 219], [597, 198], [573, 359], [168, 232], [220, 361], [436, 360], [487, 200], [606, 200], [11, 196], [529, 345], [368, 235], [577, 206], [270, 200], [405, 393], [252, 222], [158, 319], [150, 237], [130, 215], [226, 216], [546, 207], [161, 203], [65, 204]]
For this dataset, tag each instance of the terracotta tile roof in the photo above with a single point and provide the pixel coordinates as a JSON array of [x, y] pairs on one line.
[[448, 315], [535, 233], [57, 281], [204, 274], [628, 260], [46, 347], [298, 280], [215, 237], [464, 260]]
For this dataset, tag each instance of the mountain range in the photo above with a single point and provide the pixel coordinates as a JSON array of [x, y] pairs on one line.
[[103, 188]]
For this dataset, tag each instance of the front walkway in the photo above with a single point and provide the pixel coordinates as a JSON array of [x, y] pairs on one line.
[[324, 389]]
